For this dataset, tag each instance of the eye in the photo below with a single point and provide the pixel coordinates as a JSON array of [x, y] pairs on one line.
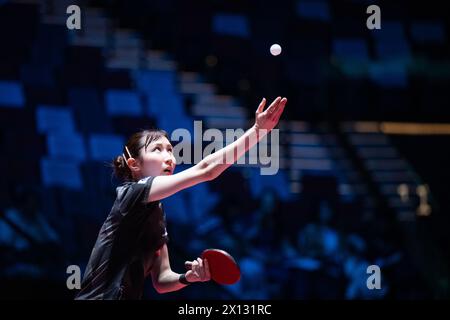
[[157, 148], [170, 150]]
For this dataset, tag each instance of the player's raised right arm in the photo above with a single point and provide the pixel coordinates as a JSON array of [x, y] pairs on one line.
[[214, 164]]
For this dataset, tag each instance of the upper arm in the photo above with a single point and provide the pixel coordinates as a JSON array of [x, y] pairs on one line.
[[165, 186]]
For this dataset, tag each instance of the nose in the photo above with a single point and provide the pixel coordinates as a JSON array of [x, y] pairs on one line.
[[169, 159]]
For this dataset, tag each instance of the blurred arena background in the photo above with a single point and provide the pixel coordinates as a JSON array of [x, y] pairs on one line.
[[364, 163]]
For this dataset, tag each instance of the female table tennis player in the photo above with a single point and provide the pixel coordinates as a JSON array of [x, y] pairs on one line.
[[132, 243]]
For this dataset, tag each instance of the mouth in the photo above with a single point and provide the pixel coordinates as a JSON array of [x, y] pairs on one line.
[[167, 171]]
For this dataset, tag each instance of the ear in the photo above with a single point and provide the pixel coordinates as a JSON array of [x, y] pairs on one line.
[[133, 164]]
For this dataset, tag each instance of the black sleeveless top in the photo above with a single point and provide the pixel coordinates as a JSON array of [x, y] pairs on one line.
[[126, 246]]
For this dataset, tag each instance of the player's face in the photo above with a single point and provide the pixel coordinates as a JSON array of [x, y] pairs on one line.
[[158, 159]]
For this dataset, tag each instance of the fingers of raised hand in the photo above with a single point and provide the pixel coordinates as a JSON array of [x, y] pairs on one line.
[[273, 106], [279, 111], [261, 106]]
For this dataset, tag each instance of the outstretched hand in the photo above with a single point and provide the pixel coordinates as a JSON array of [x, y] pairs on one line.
[[198, 270], [268, 119]]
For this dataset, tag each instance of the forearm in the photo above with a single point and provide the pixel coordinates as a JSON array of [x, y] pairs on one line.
[[216, 163], [168, 282]]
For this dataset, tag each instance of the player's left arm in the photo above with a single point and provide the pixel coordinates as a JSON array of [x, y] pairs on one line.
[[165, 280]]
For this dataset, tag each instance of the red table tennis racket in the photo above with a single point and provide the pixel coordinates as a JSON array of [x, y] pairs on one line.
[[222, 266]]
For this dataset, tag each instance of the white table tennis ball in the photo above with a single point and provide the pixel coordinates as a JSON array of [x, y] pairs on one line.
[[275, 49]]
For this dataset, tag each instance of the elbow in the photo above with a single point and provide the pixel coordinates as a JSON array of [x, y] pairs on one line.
[[212, 173], [208, 171], [159, 288], [208, 174], [157, 285]]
